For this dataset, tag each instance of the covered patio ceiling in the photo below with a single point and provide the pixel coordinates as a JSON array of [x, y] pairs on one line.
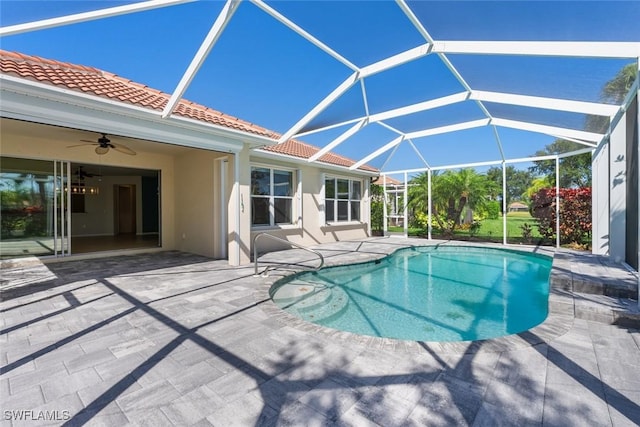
[[397, 85]]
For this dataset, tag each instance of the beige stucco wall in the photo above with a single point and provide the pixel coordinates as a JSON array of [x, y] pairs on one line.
[[239, 209], [198, 206], [192, 195], [308, 228], [53, 147]]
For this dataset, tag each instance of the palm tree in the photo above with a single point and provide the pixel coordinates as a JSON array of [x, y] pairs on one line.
[[418, 195], [617, 88], [614, 91], [451, 193]]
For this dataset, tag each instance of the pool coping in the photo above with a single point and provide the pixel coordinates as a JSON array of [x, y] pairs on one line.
[[558, 322]]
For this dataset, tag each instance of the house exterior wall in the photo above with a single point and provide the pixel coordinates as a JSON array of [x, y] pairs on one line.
[[194, 195], [309, 227], [617, 190], [239, 210], [600, 200], [197, 202], [26, 146]]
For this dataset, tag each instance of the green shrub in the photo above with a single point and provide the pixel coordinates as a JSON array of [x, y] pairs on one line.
[[493, 209], [474, 227]]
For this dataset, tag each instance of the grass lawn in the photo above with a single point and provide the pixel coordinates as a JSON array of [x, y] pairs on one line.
[[515, 221], [490, 229], [413, 231]]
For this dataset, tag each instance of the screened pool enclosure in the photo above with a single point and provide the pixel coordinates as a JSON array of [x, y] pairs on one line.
[[407, 87]]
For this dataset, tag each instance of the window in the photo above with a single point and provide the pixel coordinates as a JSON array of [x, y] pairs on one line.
[[342, 199], [271, 196]]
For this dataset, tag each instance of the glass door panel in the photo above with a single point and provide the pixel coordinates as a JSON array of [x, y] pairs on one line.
[[61, 211], [26, 188], [33, 218]]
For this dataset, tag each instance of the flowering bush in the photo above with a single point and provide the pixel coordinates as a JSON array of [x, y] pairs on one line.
[[420, 220], [575, 213]]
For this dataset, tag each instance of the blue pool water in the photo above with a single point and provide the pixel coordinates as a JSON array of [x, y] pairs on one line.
[[445, 293]]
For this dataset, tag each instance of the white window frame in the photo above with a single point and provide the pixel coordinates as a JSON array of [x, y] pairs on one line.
[[349, 199], [294, 197]]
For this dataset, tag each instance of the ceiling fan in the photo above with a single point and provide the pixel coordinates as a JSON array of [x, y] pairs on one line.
[[104, 144], [81, 174]]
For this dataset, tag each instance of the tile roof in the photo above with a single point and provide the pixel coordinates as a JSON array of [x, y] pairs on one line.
[[390, 181], [303, 150], [107, 85]]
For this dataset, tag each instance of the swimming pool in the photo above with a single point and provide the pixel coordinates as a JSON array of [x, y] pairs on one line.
[[433, 293]]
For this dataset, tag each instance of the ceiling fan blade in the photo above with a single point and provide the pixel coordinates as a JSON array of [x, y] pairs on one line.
[[81, 145], [123, 149], [89, 141]]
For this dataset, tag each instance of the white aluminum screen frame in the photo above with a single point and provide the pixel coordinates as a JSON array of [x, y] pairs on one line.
[[431, 46]]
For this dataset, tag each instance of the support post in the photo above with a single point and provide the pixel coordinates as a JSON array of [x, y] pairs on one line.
[[504, 203], [638, 173], [429, 201], [404, 203], [240, 210], [235, 242], [385, 228], [557, 202]]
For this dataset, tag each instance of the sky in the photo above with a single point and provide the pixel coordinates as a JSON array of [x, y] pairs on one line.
[[262, 72]]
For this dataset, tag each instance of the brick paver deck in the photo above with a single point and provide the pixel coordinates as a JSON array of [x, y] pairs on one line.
[[176, 339]]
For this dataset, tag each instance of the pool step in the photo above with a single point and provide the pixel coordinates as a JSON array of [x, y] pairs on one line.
[[605, 309], [331, 308], [301, 293], [311, 301]]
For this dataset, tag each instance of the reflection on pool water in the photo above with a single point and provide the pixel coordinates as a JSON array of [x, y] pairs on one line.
[[435, 293]]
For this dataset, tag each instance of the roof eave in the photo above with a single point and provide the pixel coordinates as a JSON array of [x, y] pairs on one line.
[[225, 139]]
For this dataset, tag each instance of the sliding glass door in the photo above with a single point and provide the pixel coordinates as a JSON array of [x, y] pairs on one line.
[[35, 217]]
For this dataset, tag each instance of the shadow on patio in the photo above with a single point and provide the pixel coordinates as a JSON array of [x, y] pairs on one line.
[[173, 338]]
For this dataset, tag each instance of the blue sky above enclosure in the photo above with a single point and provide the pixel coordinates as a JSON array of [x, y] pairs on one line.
[[530, 20], [264, 72], [580, 79]]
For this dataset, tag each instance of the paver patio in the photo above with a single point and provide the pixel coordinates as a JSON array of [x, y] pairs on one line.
[[170, 338]]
